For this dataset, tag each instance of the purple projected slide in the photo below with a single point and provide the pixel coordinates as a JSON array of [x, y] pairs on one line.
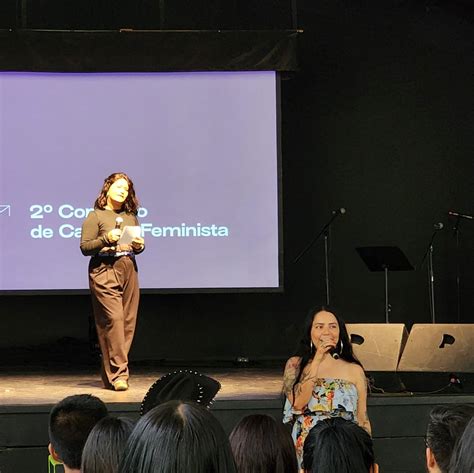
[[201, 149]]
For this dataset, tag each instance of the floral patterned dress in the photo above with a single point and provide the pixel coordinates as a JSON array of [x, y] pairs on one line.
[[331, 398]]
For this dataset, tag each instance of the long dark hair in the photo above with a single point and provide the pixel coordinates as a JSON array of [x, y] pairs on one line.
[[338, 445], [462, 460], [305, 349], [178, 436], [261, 445], [131, 202], [105, 445]]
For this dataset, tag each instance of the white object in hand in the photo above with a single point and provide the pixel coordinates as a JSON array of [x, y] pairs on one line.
[[129, 233]]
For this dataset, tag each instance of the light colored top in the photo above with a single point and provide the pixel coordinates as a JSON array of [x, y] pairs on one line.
[[331, 397]]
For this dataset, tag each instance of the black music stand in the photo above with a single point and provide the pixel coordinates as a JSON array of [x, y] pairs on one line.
[[385, 258]]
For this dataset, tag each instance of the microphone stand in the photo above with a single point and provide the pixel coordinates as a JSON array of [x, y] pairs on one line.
[[326, 262], [458, 267], [325, 233], [431, 290]]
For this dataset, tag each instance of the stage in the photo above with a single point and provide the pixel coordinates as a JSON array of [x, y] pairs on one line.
[[44, 387], [26, 397]]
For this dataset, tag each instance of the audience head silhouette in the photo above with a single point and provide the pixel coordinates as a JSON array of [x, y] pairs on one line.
[[70, 423], [105, 445], [445, 427], [338, 445], [262, 445], [462, 459], [176, 437]]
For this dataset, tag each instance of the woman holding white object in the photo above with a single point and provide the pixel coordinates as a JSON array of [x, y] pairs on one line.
[[113, 275]]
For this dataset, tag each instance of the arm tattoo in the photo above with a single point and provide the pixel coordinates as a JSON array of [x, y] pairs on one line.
[[291, 373], [305, 378], [288, 380], [289, 377]]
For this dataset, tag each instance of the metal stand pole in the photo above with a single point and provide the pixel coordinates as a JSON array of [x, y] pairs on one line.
[[21, 14], [458, 271], [387, 305], [161, 9], [325, 232], [431, 285], [430, 266], [326, 265]]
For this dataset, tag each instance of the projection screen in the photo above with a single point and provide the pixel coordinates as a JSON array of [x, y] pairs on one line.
[[203, 152]]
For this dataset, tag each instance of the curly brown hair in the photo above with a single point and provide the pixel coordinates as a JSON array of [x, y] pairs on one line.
[[131, 202]]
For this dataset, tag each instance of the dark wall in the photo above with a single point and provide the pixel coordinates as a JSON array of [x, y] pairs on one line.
[[378, 120]]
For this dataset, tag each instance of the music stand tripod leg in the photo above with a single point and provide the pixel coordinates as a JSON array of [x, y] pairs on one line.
[[387, 306]]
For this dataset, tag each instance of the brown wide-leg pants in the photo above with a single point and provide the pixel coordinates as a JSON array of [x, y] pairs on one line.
[[115, 295]]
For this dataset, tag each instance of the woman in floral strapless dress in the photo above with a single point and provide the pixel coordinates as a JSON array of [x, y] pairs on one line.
[[324, 379]]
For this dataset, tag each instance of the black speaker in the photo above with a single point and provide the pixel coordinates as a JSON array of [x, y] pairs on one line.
[[439, 358]]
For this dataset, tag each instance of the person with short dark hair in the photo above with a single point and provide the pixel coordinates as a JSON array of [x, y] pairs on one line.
[[445, 427], [462, 459], [70, 423], [262, 445], [178, 437], [338, 445], [105, 445]]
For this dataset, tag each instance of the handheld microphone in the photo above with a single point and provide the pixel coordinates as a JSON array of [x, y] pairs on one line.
[[118, 224], [458, 215], [438, 226], [334, 353]]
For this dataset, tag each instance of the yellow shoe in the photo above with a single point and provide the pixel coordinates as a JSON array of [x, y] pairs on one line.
[[120, 385]]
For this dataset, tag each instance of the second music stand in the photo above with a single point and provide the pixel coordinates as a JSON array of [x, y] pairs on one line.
[[385, 258]]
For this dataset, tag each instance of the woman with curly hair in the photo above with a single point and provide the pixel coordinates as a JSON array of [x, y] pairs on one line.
[[113, 278]]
